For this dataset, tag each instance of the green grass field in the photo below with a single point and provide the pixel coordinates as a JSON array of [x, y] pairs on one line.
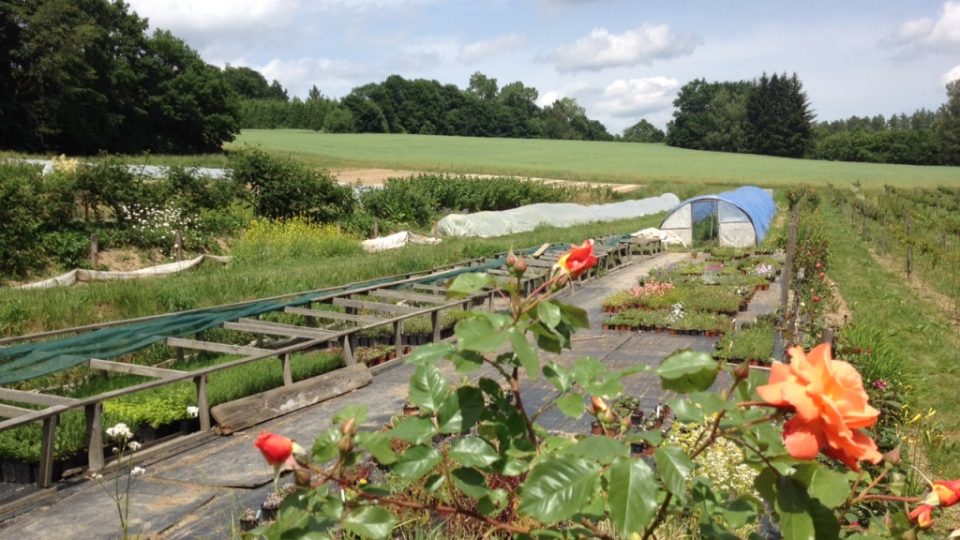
[[579, 160]]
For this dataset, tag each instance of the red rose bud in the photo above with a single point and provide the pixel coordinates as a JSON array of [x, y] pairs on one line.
[[345, 445], [597, 405], [578, 260], [349, 428], [819, 266], [821, 275], [948, 492], [275, 448], [520, 266], [816, 298], [511, 259], [922, 516]]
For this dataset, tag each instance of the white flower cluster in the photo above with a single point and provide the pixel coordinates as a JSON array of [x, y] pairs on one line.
[[192, 411], [137, 472], [722, 463], [676, 313], [120, 432], [158, 224], [764, 270]]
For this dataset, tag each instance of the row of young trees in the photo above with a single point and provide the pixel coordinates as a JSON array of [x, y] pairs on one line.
[[771, 115], [82, 76]]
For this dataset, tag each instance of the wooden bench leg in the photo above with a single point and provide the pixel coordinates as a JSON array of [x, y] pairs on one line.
[[94, 414]]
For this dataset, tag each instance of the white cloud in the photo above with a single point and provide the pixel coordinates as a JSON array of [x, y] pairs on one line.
[[479, 50], [942, 34], [216, 16], [951, 75], [332, 77], [642, 45], [637, 97]]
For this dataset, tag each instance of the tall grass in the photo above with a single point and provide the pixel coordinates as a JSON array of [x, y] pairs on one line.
[[294, 238], [260, 276]]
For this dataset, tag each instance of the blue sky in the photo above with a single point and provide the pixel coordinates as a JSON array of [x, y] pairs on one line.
[[621, 60]]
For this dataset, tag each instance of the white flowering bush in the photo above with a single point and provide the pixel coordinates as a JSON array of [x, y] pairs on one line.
[[157, 226]]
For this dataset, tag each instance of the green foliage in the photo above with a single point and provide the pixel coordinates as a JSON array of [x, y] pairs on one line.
[[85, 77], [643, 132], [282, 188], [20, 217]]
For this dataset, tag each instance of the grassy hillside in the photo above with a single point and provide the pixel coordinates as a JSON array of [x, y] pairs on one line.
[[580, 160]]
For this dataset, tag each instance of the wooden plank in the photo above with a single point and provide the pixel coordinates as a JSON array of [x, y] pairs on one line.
[[254, 326], [34, 398], [94, 416], [48, 439], [133, 369], [409, 296], [347, 343], [540, 251], [333, 315], [211, 346], [10, 411], [287, 369], [252, 410], [376, 306], [432, 288]]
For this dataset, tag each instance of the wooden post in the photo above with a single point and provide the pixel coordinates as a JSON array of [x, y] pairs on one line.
[[397, 338], [791, 248], [435, 324], [178, 246], [827, 336], [94, 414], [883, 232], [863, 223], [203, 405], [348, 358], [179, 353], [909, 224], [376, 227], [94, 251], [47, 442], [287, 369]]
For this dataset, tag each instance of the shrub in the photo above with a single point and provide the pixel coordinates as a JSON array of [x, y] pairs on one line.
[[109, 183], [20, 218], [281, 188]]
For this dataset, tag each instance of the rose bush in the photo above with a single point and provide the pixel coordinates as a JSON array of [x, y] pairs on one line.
[[475, 461]]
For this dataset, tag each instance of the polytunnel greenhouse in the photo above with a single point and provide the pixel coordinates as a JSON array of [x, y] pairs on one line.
[[738, 218]]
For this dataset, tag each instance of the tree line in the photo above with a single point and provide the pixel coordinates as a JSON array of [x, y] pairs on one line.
[[426, 107], [771, 116], [83, 76]]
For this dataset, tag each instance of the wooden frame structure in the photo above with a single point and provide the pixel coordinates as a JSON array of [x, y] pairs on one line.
[[405, 291]]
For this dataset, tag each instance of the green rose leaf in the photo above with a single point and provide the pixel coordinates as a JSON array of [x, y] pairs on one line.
[[414, 430], [470, 482], [369, 522], [473, 452], [548, 313], [428, 388], [557, 488], [466, 361], [632, 495], [461, 410], [600, 449], [674, 467], [574, 315], [325, 445], [824, 484], [558, 376], [478, 334], [378, 444], [571, 405], [526, 354], [357, 412], [688, 371], [739, 513], [417, 461], [467, 284], [429, 354], [796, 523]]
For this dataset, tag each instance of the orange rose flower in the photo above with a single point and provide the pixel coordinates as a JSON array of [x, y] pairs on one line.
[[275, 448], [830, 404], [948, 492], [578, 260], [922, 516]]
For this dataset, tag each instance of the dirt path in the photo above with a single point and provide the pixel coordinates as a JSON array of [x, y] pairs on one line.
[[376, 177]]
